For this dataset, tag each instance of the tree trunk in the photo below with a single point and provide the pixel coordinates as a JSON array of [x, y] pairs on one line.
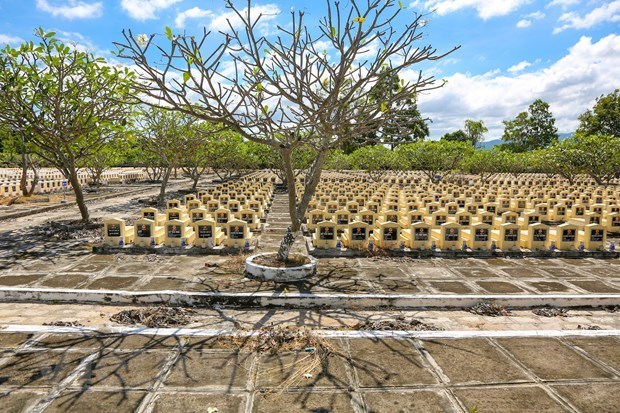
[[24, 179], [196, 177], [297, 211], [164, 182], [35, 181], [79, 195], [287, 243]]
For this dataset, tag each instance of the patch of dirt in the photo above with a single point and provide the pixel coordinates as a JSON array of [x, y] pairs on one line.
[[154, 317], [234, 263], [491, 309], [551, 312], [294, 260], [33, 199], [400, 323], [64, 324]]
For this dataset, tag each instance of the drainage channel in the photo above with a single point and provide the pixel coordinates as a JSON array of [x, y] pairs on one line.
[[302, 300]]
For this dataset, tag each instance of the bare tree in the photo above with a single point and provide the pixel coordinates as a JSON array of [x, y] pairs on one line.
[[302, 86]]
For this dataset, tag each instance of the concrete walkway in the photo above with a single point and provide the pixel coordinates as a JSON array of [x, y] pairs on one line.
[[55, 372]]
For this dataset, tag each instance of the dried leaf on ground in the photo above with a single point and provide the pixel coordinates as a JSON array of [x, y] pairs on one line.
[[235, 262], [154, 317], [551, 312], [398, 324], [588, 327], [64, 324], [276, 340], [490, 309]]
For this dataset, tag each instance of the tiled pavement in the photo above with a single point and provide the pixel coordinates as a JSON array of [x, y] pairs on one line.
[[64, 372], [69, 372], [338, 275]]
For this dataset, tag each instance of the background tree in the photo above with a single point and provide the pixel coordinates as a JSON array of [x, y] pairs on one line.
[[604, 118], [599, 156], [530, 130], [339, 161], [376, 161], [105, 157], [17, 149], [484, 163], [17, 141], [228, 155], [268, 157], [436, 159], [194, 146], [67, 101], [475, 130], [286, 91], [563, 158], [516, 164], [161, 132], [456, 136]]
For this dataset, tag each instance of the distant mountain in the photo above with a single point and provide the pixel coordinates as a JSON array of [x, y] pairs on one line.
[[495, 142]]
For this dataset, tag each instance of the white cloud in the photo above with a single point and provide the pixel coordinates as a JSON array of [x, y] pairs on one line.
[[519, 66], [537, 15], [609, 12], [563, 3], [527, 20], [570, 85], [193, 13], [145, 9], [8, 39], [223, 21], [485, 8], [523, 24], [72, 9]]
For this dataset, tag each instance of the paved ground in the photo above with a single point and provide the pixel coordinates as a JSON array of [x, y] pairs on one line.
[[62, 372], [78, 371], [77, 268], [98, 316]]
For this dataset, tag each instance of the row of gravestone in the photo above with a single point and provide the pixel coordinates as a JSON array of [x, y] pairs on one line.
[[50, 180], [419, 177], [193, 224], [450, 235], [434, 215], [447, 216]]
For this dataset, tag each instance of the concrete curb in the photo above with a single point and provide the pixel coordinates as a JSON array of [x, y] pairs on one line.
[[196, 332], [288, 300]]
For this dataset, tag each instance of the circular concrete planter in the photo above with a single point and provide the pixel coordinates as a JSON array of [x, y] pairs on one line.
[[290, 274]]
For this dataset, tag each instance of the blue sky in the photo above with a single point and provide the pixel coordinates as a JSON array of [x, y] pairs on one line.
[[566, 52]]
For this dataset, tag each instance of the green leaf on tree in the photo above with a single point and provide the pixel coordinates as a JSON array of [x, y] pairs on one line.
[[168, 32], [186, 76]]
